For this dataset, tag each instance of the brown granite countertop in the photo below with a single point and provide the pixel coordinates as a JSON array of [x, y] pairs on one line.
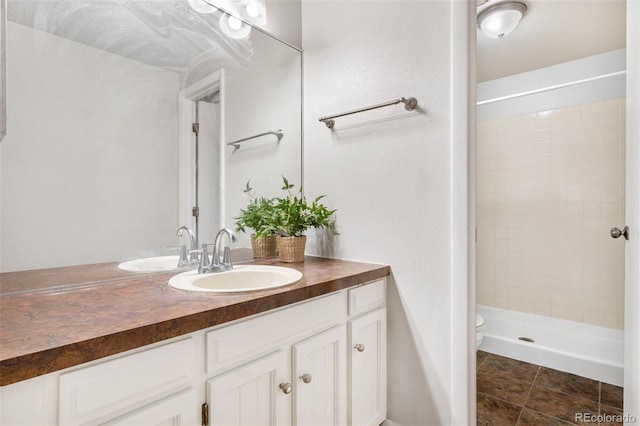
[[60, 325]]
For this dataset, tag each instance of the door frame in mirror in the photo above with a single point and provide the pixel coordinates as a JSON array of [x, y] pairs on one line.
[[187, 147]]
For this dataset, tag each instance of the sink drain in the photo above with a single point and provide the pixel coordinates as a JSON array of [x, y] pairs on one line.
[[526, 339]]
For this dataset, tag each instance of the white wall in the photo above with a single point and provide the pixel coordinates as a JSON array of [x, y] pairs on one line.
[[388, 173], [89, 162]]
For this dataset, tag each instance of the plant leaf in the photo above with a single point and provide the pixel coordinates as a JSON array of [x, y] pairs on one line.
[[248, 188]]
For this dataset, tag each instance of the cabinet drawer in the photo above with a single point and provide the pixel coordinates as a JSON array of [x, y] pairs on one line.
[[367, 297], [103, 391], [238, 343]]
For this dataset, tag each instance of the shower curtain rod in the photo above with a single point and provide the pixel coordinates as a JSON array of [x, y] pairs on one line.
[[550, 88]]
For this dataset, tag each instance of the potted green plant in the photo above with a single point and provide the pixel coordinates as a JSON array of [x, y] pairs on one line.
[[259, 216], [293, 216]]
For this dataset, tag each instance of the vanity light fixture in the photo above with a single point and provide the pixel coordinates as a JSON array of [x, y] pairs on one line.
[[499, 20], [201, 6], [236, 16]]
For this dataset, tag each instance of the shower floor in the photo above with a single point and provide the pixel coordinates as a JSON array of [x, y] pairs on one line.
[[512, 392]]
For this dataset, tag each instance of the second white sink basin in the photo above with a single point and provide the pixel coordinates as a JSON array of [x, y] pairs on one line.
[[241, 278], [152, 264]]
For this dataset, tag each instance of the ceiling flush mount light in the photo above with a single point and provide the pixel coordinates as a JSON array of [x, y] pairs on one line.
[[499, 20]]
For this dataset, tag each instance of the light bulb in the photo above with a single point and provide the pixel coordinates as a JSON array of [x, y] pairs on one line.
[[234, 23], [234, 27]]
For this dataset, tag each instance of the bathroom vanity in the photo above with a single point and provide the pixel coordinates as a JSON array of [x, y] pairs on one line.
[[128, 349]]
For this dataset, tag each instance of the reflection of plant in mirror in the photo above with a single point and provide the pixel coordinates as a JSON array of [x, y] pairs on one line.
[[294, 215], [258, 215]]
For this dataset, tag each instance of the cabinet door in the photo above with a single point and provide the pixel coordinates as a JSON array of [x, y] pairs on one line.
[[319, 370], [368, 369], [252, 394], [177, 410]]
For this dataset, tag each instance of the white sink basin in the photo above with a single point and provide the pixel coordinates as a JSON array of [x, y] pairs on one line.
[[240, 278], [152, 264]]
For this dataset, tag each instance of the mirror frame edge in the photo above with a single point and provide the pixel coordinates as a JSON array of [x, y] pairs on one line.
[[3, 69]]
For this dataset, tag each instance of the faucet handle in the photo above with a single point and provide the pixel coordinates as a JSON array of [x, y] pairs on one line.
[[215, 257], [204, 260], [194, 256], [226, 259], [182, 260]]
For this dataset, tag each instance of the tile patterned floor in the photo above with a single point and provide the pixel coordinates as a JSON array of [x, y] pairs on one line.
[[515, 393]]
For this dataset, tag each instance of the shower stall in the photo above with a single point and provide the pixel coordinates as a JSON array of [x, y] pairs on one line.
[[550, 186]]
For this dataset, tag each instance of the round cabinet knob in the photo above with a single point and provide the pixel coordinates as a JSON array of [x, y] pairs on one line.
[[359, 347], [286, 388], [306, 377]]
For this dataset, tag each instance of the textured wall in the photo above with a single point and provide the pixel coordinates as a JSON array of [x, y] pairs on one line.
[[388, 173]]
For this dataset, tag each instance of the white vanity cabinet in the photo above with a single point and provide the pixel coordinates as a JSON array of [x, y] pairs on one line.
[[319, 372], [250, 394], [150, 387], [283, 367], [322, 362], [176, 410], [317, 362], [367, 354], [367, 372], [306, 388]]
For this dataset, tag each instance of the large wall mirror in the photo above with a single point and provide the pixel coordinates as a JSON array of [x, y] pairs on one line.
[[102, 161]]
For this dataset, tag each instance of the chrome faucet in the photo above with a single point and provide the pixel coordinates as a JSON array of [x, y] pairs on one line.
[[226, 264], [193, 255]]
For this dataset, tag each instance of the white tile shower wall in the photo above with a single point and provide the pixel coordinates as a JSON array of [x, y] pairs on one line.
[[550, 186]]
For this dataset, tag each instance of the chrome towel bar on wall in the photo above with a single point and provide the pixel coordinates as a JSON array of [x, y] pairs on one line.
[[409, 104], [236, 144]]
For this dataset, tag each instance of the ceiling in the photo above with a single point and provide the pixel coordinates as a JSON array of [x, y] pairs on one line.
[[552, 32]]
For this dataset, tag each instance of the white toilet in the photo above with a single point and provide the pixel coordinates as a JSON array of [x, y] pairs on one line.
[[479, 330]]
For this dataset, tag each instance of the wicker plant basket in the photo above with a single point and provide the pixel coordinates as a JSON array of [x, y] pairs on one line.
[[291, 249], [263, 247]]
